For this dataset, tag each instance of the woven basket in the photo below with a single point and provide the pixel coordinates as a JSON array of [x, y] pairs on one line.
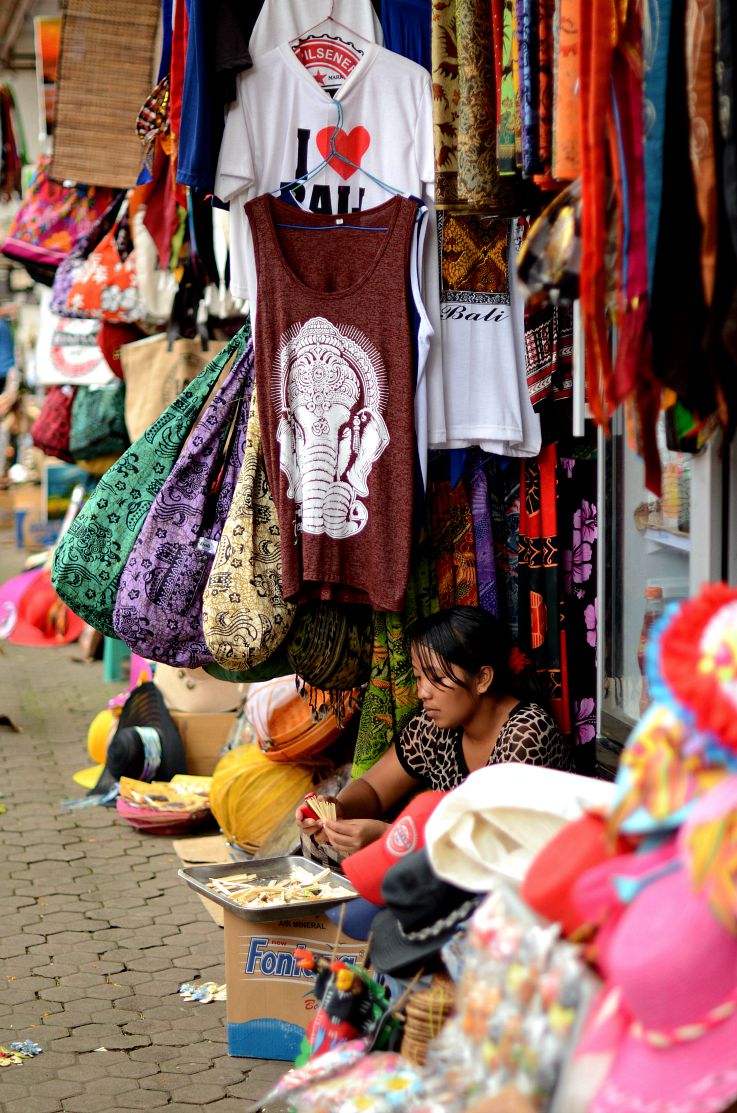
[[106, 64]]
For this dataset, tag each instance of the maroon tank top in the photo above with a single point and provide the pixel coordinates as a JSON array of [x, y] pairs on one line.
[[334, 359]]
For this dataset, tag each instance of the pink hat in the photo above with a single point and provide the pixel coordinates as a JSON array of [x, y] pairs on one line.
[[10, 593], [366, 868], [675, 970]]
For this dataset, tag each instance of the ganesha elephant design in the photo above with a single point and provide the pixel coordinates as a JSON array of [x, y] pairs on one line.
[[330, 393]]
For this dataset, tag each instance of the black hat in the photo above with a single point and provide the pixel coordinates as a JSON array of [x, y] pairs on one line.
[[421, 914], [127, 752]]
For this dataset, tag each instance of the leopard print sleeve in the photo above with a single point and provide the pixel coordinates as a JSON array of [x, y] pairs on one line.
[[428, 754], [531, 736]]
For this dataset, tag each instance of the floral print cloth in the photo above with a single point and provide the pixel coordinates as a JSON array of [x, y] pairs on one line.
[[578, 539]]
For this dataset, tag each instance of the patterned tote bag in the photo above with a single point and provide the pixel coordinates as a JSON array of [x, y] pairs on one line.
[[158, 611], [50, 431], [105, 287], [244, 616], [90, 558]]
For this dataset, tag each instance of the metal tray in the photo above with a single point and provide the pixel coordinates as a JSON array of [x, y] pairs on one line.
[[265, 869]]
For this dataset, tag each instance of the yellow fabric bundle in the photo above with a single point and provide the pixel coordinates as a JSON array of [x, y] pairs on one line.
[[250, 795]]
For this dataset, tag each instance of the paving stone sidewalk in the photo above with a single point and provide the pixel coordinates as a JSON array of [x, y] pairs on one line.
[[96, 930]]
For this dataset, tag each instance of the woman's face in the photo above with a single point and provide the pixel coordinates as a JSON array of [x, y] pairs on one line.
[[448, 704]]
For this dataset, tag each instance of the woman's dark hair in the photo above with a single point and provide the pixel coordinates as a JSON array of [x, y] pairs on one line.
[[467, 638]]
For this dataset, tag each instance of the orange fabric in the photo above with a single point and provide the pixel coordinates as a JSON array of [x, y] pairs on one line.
[[180, 35], [597, 35], [700, 17], [106, 286], [567, 123]]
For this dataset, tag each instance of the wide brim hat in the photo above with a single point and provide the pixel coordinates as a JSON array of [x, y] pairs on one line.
[[195, 691], [692, 662], [663, 769], [669, 1019], [34, 615], [367, 868], [144, 707], [501, 816], [100, 731], [547, 887], [10, 593], [422, 913], [290, 722]]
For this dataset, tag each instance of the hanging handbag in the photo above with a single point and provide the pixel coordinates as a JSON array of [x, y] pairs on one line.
[[70, 266], [67, 350], [158, 609], [244, 616], [52, 218], [106, 285], [98, 422], [156, 287], [155, 372], [50, 431], [91, 556]]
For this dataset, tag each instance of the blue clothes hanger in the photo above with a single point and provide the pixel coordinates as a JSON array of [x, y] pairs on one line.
[[333, 152]]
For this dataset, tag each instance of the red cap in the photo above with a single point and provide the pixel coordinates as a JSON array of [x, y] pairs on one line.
[[366, 868], [548, 883]]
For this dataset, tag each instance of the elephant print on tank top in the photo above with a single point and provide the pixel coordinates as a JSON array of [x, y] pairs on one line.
[[331, 386]]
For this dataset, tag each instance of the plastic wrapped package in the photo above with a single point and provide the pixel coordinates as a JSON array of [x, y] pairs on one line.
[[521, 991]]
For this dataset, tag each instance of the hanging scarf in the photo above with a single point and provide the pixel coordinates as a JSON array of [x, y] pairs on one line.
[[528, 34], [505, 122], [597, 20], [445, 99], [567, 122], [545, 56], [633, 377], [478, 177], [483, 537], [656, 40], [539, 572], [453, 543], [390, 699], [700, 23], [503, 478]]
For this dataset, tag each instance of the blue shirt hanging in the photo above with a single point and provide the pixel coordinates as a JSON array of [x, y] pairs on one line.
[[407, 26]]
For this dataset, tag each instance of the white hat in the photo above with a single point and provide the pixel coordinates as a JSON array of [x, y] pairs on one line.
[[501, 816]]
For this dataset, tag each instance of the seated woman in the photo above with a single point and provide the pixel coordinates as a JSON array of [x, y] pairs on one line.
[[474, 713]]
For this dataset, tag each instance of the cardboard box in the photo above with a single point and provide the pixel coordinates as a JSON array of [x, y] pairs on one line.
[[270, 1002], [203, 736]]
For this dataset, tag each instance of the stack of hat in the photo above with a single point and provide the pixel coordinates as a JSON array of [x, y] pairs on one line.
[[661, 900], [284, 723], [427, 1012], [145, 745]]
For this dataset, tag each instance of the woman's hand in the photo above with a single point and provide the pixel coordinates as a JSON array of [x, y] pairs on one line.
[[349, 835], [307, 822]]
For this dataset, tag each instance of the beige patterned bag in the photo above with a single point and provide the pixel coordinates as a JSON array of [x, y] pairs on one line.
[[244, 616]]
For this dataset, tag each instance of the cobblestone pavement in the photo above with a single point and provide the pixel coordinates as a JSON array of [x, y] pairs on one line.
[[96, 930]]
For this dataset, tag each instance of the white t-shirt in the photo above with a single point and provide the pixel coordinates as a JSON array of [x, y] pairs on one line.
[[486, 398], [280, 127], [282, 20]]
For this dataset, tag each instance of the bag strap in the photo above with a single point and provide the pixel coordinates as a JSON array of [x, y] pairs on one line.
[[184, 320]]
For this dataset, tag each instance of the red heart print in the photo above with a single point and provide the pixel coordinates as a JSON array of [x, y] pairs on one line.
[[350, 144]]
